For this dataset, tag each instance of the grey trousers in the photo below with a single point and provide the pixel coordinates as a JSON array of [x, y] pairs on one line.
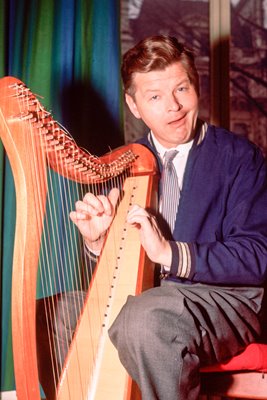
[[67, 312], [165, 334]]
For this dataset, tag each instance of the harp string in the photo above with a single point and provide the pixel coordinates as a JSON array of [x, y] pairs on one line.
[[63, 192], [47, 276], [36, 164], [58, 249]]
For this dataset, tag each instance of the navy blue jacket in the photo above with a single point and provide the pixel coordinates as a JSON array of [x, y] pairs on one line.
[[220, 235]]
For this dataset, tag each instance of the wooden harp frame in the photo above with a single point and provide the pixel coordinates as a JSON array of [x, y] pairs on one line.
[[22, 116]]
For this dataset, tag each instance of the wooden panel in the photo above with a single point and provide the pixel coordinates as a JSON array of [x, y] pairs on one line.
[[219, 61]]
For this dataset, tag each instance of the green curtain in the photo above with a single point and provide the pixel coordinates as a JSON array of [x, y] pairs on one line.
[[68, 52]]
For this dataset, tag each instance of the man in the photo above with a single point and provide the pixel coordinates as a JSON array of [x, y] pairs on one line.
[[207, 308]]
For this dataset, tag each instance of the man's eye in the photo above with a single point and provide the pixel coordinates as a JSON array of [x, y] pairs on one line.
[[182, 89]]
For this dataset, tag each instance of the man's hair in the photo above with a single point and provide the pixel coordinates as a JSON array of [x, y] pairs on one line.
[[156, 53]]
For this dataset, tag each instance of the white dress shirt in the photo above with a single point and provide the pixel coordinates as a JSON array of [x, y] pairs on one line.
[[180, 159]]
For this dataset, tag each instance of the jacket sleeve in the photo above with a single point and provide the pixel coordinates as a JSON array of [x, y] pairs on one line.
[[239, 255]]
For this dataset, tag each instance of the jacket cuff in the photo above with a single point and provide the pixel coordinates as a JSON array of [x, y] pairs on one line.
[[183, 260]]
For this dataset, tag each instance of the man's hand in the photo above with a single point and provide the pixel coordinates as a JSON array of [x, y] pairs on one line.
[[94, 215], [156, 246]]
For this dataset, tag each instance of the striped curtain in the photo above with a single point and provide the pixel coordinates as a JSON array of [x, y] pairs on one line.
[[68, 52]]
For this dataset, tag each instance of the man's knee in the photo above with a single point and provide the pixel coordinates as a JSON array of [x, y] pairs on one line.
[[143, 317], [129, 325]]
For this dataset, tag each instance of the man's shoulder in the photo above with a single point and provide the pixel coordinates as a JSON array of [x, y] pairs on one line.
[[230, 141], [143, 140]]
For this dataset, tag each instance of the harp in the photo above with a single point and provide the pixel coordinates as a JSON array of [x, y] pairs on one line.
[[41, 152]]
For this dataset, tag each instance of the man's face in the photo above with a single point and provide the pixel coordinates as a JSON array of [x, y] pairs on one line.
[[167, 102]]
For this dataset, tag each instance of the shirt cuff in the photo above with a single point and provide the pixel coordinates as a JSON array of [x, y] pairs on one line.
[[91, 254]]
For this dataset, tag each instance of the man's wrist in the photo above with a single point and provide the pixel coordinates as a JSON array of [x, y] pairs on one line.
[[95, 245]]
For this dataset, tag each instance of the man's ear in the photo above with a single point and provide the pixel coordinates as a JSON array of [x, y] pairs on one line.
[[132, 105]]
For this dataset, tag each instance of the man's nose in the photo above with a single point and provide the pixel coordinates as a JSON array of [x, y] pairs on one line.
[[174, 103]]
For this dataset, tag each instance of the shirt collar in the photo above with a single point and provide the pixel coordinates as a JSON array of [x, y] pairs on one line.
[[183, 149]]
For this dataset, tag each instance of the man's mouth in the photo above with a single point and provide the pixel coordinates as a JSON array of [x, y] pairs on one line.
[[178, 121]]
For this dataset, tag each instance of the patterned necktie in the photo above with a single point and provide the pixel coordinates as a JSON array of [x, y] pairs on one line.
[[170, 190]]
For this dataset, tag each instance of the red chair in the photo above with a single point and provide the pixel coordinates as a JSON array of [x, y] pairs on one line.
[[242, 377]]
